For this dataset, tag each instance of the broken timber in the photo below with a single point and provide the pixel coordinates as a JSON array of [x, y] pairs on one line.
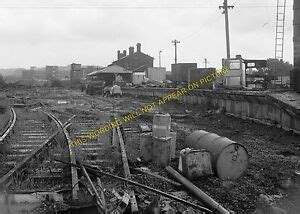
[[197, 192], [134, 207], [98, 173], [100, 203]]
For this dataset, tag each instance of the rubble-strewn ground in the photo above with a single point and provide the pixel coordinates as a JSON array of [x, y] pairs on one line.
[[274, 154]]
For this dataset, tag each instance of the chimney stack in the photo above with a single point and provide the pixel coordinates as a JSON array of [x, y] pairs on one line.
[[138, 47], [124, 53], [119, 54], [131, 50]]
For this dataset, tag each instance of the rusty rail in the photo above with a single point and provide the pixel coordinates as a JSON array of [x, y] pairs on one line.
[[9, 127], [14, 174], [74, 173]]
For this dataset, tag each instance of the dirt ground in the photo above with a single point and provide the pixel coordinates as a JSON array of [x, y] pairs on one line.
[[274, 155]]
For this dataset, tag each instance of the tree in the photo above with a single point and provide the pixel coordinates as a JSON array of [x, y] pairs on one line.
[[277, 67], [56, 83], [2, 82]]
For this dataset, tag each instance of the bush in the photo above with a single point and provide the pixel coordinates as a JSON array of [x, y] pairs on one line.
[[56, 83]]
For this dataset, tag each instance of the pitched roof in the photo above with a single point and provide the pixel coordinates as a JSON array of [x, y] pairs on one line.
[[135, 53], [112, 69]]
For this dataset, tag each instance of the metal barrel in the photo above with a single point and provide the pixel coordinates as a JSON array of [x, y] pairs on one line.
[[146, 146], [161, 151], [229, 159]]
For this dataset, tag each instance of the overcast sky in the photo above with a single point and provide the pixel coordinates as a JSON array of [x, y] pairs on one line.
[[39, 33]]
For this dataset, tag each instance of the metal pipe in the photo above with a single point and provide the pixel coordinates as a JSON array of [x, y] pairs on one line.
[[197, 192], [98, 173]]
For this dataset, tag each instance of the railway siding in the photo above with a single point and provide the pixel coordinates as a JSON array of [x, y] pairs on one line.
[[26, 164]]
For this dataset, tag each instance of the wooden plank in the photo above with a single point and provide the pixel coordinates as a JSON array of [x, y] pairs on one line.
[[102, 191], [133, 202], [98, 173], [99, 201]]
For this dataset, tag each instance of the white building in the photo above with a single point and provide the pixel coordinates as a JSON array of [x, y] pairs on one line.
[[157, 74], [138, 78]]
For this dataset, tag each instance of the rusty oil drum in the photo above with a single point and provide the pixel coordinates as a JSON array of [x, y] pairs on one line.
[[229, 159]]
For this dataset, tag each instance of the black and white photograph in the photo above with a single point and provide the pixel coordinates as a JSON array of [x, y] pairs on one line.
[[150, 107]]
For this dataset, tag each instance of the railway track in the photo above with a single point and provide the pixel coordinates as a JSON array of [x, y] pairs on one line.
[[39, 140], [95, 152], [27, 166], [102, 152], [28, 135]]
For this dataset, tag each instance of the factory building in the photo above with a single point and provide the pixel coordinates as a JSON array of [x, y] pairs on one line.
[[75, 73], [134, 61], [51, 70]]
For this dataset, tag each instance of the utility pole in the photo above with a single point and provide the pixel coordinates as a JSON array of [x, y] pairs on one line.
[[225, 8], [175, 42], [160, 59], [206, 62]]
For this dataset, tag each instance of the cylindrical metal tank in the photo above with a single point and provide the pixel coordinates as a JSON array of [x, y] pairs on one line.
[[229, 159], [146, 146], [297, 44], [161, 151], [161, 125]]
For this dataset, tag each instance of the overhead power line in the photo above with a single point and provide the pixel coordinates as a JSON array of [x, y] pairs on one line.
[[118, 6]]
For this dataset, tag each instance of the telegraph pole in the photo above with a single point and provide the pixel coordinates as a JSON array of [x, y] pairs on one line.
[[160, 59], [175, 42], [206, 62], [225, 8]]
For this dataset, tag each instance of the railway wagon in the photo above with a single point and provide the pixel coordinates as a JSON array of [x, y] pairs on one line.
[[180, 71], [199, 73]]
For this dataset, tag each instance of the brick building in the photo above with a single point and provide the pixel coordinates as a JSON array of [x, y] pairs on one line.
[[134, 61]]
